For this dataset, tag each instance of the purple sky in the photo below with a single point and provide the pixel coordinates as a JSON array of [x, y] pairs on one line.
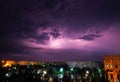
[[59, 30]]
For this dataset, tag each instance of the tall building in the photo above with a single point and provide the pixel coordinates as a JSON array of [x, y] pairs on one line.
[[112, 67]]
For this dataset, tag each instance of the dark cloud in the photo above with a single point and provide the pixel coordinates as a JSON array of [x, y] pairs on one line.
[[90, 37], [9, 46], [43, 38], [55, 33], [23, 17], [38, 20]]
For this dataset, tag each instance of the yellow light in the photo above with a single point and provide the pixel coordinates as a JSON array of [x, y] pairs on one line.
[[3, 61], [50, 79], [45, 72], [6, 65]]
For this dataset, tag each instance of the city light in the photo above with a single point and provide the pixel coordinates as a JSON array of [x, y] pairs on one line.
[[44, 72], [60, 76], [61, 70], [87, 72], [6, 65], [39, 71], [71, 69]]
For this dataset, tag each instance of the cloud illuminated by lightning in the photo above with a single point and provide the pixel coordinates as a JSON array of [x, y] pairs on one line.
[[60, 43]]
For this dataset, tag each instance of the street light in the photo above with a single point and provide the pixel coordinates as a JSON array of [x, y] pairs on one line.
[[44, 72], [71, 69], [61, 70], [87, 72]]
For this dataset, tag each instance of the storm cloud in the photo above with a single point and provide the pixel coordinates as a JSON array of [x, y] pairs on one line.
[[65, 26]]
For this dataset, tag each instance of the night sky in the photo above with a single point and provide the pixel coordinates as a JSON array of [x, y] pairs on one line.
[[59, 30]]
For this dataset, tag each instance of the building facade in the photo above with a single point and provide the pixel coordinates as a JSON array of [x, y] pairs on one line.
[[112, 67]]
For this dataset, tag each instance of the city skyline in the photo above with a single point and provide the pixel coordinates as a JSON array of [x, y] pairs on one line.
[[59, 30]]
